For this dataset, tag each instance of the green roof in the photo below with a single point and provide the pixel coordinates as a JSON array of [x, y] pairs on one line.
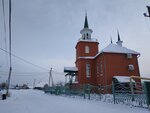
[[86, 22]]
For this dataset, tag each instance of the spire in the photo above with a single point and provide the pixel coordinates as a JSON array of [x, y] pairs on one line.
[[86, 22], [86, 32], [119, 42], [118, 36], [111, 40]]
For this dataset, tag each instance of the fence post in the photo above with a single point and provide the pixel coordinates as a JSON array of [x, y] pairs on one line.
[[132, 90], [84, 89], [147, 92], [113, 89], [89, 88], [99, 89]]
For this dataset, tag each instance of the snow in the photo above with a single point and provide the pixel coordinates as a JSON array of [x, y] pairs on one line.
[[87, 40], [123, 79], [33, 101], [113, 48], [87, 57], [66, 69], [41, 84], [2, 91]]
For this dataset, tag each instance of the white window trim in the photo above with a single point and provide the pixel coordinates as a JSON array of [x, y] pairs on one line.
[[88, 70], [101, 68], [87, 49], [130, 67], [129, 55], [97, 69]]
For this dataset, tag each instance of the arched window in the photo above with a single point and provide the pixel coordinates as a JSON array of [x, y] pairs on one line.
[[87, 49], [87, 35], [88, 70], [84, 36], [101, 68]]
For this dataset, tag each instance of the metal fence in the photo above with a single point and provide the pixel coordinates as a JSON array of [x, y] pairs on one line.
[[133, 93], [87, 91]]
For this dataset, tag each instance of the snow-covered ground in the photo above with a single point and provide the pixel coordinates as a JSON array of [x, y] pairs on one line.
[[33, 101]]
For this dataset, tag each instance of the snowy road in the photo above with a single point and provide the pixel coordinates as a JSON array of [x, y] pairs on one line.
[[30, 101]]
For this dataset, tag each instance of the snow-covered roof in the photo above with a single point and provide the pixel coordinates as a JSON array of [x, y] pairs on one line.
[[70, 69], [123, 79], [87, 40], [87, 57], [113, 48]]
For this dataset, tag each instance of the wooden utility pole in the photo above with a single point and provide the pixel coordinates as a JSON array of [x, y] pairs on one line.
[[50, 77], [10, 69], [34, 83]]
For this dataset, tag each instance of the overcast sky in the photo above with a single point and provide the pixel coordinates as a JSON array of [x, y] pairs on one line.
[[45, 32]]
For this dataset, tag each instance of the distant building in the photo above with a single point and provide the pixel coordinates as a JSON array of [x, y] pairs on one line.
[[98, 68]]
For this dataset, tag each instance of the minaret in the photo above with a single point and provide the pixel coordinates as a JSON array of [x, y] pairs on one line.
[[86, 32], [111, 40], [119, 42], [86, 50], [86, 22], [86, 46]]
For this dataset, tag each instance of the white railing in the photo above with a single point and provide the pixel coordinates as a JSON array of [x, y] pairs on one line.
[[91, 40]]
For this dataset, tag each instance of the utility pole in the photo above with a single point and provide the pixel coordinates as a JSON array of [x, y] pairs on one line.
[[34, 83], [50, 77], [10, 69]]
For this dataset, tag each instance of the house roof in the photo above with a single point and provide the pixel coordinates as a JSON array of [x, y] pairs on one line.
[[113, 48], [123, 79], [86, 57], [70, 69]]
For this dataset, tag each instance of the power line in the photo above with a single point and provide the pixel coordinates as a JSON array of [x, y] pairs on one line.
[[59, 73], [25, 60], [19, 75], [56, 72], [25, 73]]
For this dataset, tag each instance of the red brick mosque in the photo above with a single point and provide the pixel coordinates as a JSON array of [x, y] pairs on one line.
[[98, 67]]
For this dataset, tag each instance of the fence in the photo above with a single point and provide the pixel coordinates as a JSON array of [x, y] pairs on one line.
[[86, 90], [67, 89], [132, 93]]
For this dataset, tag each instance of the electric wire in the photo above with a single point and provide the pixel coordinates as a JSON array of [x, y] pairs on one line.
[[10, 46], [59, 73], [47, 70], [21, 73], [25, 60]]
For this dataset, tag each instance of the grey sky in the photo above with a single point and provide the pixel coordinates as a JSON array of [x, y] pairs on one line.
[[45, 32]]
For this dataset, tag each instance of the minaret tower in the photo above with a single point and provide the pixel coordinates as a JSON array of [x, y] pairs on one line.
[[86, 32], [86, 49], [86, 46], [119, 42]]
